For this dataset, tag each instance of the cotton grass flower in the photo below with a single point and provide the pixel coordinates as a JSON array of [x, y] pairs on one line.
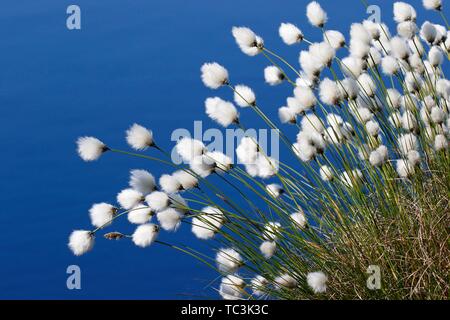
[[287, 115], [400, 48], [367, 84], [428, 32], [323, 52], [129, 198], [305, 97], [208, 223], [407, 29], [407, 142], [145, 235], [435, 56], [335, 38], [189, 148], [142, 181], [258, 285], [267, 166], [404, 12], [432, 4], [437, 115], [317, 281], [231, 287], [273, 75], [352, 67], [440, 142], [222, 163], [290, 34], [316, 15], [214, 75], [169, 183], [157, 201], [329, 92], [81, 241], [244, 96], [349, 89], [326, 173], [228, 260], [299, 219], [404, 168], [373, 128], [247, 150], [170, 219], [186, 179], [389, 65], [101, 214], [285, 281], [275, 190], [140, 214], [221, 111], [90, 148], [268, 249], [139, 138], [271, 231], [247, 40]]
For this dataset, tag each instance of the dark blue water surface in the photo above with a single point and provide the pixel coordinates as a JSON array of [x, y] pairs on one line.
[[132, 61]]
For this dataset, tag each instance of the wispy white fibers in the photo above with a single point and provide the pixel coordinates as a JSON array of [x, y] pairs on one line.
[[142, 181], [207, 223], [305, 96], [323, 52], [145, 235], [351, 179], [275, 190], [287, 115], [428, 32], [400, 48], [187, 180], [404, 168], [435, 56], [326, 173], [374, 58], [247, 150], [404, 12], [316, 15], [170, 219], [228, 260], [335, 121], [140, 214], [413, 157], [295, 105], [285, 281], [329, 92], [202, 166], [359, 33], [244, 96], [247, 40], [169, 184], [273, 75], [157, 200], [437, 115], [81, 241], [267, 166], [222, 162], [268, 248], [129, 198], [372, 28], [440, 142], [231, 287], [373, 128], [367, 84], [139, 138], [432, 4], [258, 285], [189, 148], [317, 281], [101, 214], [359, 49], [378, 156], [214, 75], [299, 219], [290, 33], [407, 29], [312, 123], [389, 65], [407, 142], [335, 38], [90, 148], [310, 64], [441, 33], [349, 88], [443, 88], [352, 66], [221, 111], [271, 231]]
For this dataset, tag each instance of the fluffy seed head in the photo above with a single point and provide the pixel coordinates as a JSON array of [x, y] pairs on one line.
[[145, 235], [268, 249], [186, 179], [435, 56], [101, 214], [208, 223], [428, 32], [323, 52], [170, 219], [244, 96], [326, 173], [247, 40], [317, 281], [189, 148], [285, 281], [142, 181], [389, 65], [404, 168], [316, 15], [440, 142], [221, 111], [81, 241], [139, 138], [247, 150], [169, 183], [290, 33], [231, 287], [334, 38], [407, 29], [329, 92], [228, 260], [129, 198], [140, 214], [299, 219], [275, 190], [157, 201], [404, 12], [400, 48], [90, 148], [432, 4], [214, 75], [273, 75], [305, 96], [287, 115]]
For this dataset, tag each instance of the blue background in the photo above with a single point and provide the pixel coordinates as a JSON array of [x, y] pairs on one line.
[[133, 61]]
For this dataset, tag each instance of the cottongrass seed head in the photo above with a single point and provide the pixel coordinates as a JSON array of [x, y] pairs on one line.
[[90, 148], [81, 241]]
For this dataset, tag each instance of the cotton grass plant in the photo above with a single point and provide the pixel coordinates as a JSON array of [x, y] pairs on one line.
[[367, 182]]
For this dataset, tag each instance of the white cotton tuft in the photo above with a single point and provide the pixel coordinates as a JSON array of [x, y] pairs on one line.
[[247, 150], [271, 231], [440, 142], [221, 111], [221, 161], [139, 138], [407, 29], [400, 48], [373, 29], [231, 287], [393, 98], [285, 281], [443, 88], [404, 12], [214, 75], [170, 219], [305, 96], [287, 115], [333, 136], [299, 219], [329, 92], [359, 33], [90, 148], [258, 285], [435, 56], [316, 15], [432, 4], [140, 214], [317, 281], [208, 223], [81, 241], [362, 114], [157, 201], [375, 158], [101, 214], [389, 65], [349, 89], [335, 38], [268, 249], [267, 166], [228, 260], [413, 157], [404, 168], [359, 49], [275, 190], [273, 75], [189, 148], [374, 58], [323, 52], [334, 120], [310, 64], [169, 183], [409, 121], [407, 142], [428, 32], [145, 235], [312, 123], [295, 105], [373, 128], [247, 40], [129, 198], [186, 179], [142, 181], [367, 84], [326, 173], [304, 150], [437, 115], [244, 96], [290, 34], [352, 66]]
